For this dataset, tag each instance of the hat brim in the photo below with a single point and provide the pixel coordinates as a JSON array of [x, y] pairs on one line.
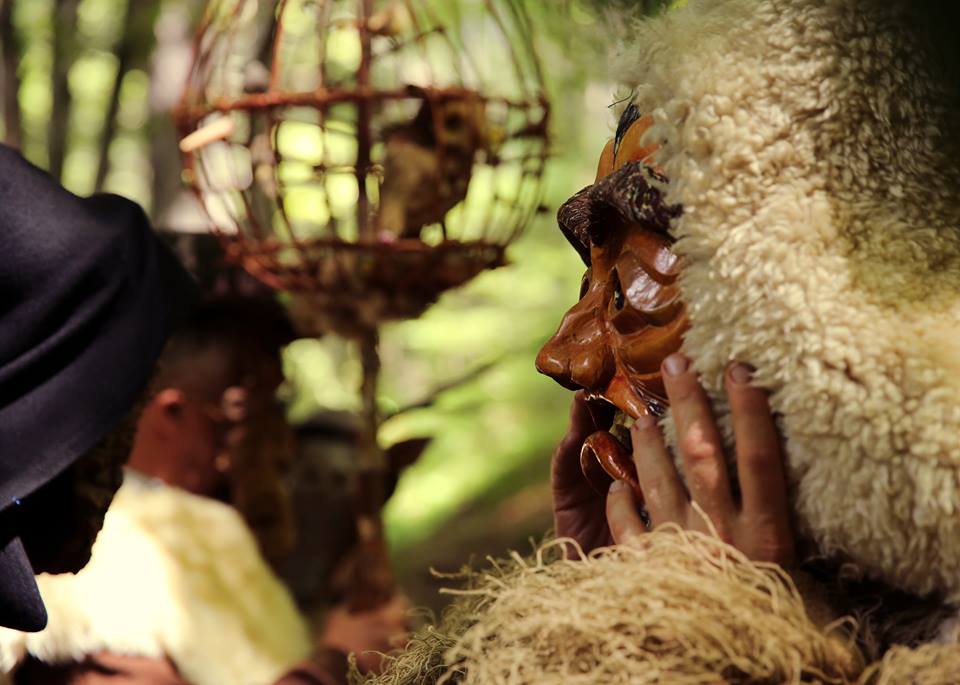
[[21, 605], [90, 296]]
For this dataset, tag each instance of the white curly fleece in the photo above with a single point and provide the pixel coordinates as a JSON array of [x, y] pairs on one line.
[[814, 149], [172, 575]]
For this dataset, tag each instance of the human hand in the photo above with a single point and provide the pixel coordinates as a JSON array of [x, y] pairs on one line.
[[759, 524], [578, 509], [368, 634]]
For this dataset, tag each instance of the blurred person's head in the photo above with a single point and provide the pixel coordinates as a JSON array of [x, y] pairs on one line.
[[89, 296], [214, 426]]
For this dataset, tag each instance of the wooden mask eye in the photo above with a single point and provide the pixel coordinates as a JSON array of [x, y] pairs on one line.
[[619, 301]]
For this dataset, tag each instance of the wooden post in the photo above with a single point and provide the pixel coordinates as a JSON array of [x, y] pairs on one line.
[[9, 48]]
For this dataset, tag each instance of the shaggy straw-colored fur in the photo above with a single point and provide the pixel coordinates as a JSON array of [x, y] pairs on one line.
[[927, 665], [814, 147], [624, 616], [423, 660], [679, 610]]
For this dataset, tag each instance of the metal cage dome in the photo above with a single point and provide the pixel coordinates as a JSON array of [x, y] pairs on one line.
[[365, 155]]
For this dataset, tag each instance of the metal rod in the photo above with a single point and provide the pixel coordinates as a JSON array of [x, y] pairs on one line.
[[365, 228], [189, 112], [372, 457], [373, 583]]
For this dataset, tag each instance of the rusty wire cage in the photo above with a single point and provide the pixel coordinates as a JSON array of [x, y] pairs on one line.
[[368, 155]]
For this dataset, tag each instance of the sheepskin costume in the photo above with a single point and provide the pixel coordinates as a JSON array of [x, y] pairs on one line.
[[172, 575], [813, 145]]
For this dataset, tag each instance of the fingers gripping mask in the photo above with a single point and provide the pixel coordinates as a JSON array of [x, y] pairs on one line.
[[813, 147]]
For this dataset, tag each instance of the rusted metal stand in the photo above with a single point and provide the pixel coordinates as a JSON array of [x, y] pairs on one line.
[[373, 580], [346, 274]]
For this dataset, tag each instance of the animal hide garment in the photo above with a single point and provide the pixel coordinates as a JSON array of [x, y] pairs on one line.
[[813, 146]]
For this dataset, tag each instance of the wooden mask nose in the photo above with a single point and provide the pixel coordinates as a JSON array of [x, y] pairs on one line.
[[578, 355]]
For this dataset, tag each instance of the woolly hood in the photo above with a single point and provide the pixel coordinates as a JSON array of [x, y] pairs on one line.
[[813, 146], [172, 575]]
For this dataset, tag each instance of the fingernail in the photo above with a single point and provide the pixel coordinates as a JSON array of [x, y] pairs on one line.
[[645, 422], [741, 373], [675, 364], [617, 486]]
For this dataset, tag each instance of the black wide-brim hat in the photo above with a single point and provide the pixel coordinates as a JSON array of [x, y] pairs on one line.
[[88, 296]]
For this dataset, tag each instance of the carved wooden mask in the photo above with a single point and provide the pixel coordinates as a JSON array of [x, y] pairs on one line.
[[630, 316]]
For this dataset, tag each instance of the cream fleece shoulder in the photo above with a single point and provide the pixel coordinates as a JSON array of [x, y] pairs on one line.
[[174, 575]]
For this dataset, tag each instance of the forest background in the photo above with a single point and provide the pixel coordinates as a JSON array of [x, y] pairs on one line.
[[87, 87]]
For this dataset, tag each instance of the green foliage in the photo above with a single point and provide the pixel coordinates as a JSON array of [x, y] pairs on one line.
[[492, 435], [495, 433]]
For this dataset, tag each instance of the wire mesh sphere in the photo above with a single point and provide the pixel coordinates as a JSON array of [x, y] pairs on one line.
[[366, 155]]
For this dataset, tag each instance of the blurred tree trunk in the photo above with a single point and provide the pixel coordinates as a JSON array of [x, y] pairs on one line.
[[169, 64], [9, 78], [64, 54], [174, 207], [124, 54]]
